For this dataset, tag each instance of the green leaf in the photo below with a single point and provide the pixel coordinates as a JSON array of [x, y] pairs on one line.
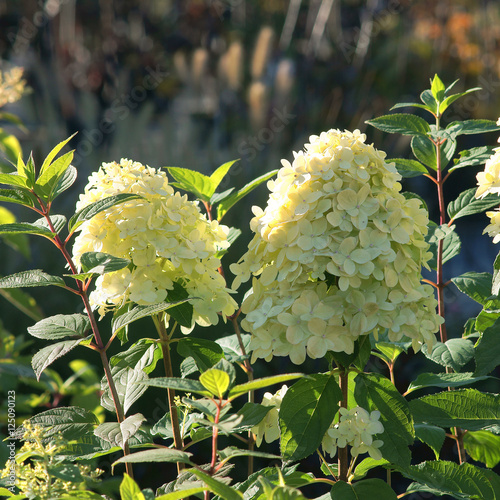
[[129, 489], [19, 196], [128, 382], [65, 181], [430, 101], [232, 452], [249, 415], [101, 263], [217, 487], [466, 204], [483, 446], [10, 146], [224, 206], [183, 312], [401, 123], [139, 312], [181, 494], [424, 150], [468, 127], [391, 351], [48, 160], [206, 353], [71, 421], [261, 383], [13, 180], [408, 168], [450, 478], [26, 228], [46, 356], [452, 98], [194, 182], [118, 434], [144, 354], [431, 435], [477, 286], [307, 410], [473, 157], [31, 278], [48, 180], [412, 105], [215, 381], [368, 489], [437, 88], [366, 466], [466, 408], [22, 301], [93, 209], [179, 384], [231, 347], [443, 380], [451, 242], [375, 392], [220, 173], [26, 170], [487, 350], [454, 353], [495, 285], [60, 326], [57, 221]]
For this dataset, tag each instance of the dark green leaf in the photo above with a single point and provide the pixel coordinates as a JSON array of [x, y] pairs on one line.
[[183, 312], [251, 415], [454, 353], [467, 204], [411, 105], [144, 355], [424, 150], [71, 421], [217, 487], [487, 350], [225, 205], [231, 347], [307, 411], [19, 196], [451, 243], [118, 434], [483, 446], [375, 392], [206, 353], [34, 277], [139, 312], [179, 384], [60, 326], [26, 228], [408, 168], [477, 286], [232, 452], [473, 157], [431, 435], [66, 180], [495, 285], [101, 263], [46, 356], [401, 123], [194, 182], [444, 380], [57, 221], [368, 489], [473, 127], [450, 478], [466, 408], [430, 101], [93, 209], [365, 466]]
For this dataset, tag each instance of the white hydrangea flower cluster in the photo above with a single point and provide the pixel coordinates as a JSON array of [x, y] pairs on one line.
[[489, 183], [337, 254], [269, 428], [165, 236], [355, 428]]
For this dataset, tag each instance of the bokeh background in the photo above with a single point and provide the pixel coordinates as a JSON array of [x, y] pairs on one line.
[[196, 83]]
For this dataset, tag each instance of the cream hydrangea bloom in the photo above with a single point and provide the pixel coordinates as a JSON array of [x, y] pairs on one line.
[[269, 428], [165, 236], [337, 254], [489, 183], [355, 428]]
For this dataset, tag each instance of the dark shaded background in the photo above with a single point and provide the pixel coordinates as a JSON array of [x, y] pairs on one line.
[[198, 83]]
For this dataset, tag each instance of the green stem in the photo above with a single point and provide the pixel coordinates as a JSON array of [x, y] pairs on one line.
[[167, 364], [343, 453]]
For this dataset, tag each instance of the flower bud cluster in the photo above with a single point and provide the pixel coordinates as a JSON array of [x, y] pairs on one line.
[[165, 236], [337, 253], [269, 428], [488, 182], [355, 428]]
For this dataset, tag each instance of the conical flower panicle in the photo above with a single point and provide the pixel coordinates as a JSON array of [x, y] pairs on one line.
[[164, 235], [337, 254]]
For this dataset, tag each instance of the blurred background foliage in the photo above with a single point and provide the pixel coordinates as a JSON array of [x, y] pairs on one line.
[[196, 83]]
